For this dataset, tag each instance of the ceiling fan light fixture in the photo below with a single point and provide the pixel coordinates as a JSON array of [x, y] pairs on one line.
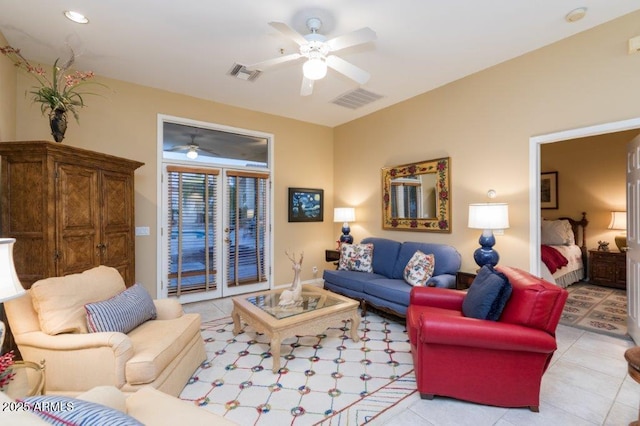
[[192, 154], [315, 69], [76, 17]]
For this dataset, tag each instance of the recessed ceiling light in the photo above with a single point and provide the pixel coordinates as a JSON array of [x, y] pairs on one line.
[[76, 17], [576, 14]]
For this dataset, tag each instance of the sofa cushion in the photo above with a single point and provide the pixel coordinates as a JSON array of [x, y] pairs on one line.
[[419, 269], [396, 291], [63, 410], [385, 253], [123, 312], [351, 280], [59, 301], [487, 295], [356, 257], [447, 258], [156, 344]]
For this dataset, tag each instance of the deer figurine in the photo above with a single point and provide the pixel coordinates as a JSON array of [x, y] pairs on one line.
[[293, 295]]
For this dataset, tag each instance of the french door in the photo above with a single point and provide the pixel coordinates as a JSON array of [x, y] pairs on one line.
[[216, 232]]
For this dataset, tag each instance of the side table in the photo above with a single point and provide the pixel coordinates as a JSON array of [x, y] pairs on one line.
[[28, 381], [464, 280], [332, 256]]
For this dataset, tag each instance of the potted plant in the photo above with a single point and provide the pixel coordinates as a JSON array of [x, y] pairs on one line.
[[58, 93]]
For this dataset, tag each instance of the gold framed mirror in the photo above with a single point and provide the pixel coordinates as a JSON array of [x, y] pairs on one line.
[[417, 196]]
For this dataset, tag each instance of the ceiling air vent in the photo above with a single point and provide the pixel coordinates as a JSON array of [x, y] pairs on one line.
[[356, 99], [241, 72]]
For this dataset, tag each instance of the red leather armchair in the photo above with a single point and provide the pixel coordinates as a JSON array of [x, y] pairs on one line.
[[497, 363]]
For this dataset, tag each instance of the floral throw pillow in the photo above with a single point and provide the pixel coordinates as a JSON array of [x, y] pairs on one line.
[[419, 268], [356, 257]]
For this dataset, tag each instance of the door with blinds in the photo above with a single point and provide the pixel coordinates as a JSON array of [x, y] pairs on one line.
[[216, 233]]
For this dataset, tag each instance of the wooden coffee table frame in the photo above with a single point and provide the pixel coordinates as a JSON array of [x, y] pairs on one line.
[[312, 322]]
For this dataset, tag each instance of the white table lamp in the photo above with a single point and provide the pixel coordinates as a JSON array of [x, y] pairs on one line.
[[10, 286], [488, 217], [619, 222]]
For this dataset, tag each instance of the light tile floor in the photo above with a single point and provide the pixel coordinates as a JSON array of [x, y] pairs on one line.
[[586, 384]]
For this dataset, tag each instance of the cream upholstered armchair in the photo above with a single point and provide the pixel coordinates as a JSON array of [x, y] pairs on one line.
[[61, 318]]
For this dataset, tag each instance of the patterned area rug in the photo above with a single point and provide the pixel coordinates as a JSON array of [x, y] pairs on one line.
[[325, 379], [598, 309]]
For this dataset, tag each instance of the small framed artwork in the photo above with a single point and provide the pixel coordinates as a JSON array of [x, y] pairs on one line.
[[549, 190], [306, 205]]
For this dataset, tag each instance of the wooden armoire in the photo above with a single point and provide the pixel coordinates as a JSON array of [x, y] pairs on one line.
[[68, 208]]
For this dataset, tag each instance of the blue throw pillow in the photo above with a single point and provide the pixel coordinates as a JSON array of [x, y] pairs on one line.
[[62, 410], [123, 312], [487, 295]]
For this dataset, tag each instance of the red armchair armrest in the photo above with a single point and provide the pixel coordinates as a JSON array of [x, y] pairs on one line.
[[472, 332], [437, 297]]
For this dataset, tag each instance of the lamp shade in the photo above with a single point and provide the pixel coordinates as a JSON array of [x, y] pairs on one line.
[[10, 286], [489, 216], [618, 220], [344, 214]]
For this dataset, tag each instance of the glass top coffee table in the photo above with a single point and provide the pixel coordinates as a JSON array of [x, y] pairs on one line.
[[28, 380], [318, 310]]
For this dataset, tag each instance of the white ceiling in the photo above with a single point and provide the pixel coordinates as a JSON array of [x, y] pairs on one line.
[[188, 46]]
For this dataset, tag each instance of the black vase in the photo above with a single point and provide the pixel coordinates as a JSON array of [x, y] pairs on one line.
[[58, 123]]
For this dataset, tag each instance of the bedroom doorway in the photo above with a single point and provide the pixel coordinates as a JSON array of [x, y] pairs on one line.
[[534, 200]]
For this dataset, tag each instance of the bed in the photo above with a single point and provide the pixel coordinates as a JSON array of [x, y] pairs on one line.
[[563, 250]]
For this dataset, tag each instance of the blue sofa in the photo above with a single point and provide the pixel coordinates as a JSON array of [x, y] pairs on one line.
[[385, 287]]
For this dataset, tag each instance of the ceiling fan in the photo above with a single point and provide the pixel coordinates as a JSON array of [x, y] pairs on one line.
[[192, 149], [317, 50]]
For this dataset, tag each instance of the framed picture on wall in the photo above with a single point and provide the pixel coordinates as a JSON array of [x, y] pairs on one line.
[[306, 205], [549, 190]]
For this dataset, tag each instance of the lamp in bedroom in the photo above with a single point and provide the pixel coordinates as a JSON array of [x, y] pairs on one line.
[[10, 286], [345, 215], [619, 222], [488, 217]]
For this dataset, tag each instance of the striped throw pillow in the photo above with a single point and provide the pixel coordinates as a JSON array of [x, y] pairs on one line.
[[123, 312], [63, 410]]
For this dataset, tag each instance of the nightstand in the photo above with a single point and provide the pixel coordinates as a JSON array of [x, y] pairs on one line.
[[608, 268], [464, 280]]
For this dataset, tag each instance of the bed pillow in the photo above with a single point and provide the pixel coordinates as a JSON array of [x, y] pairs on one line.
[[63, 410], [487, 295], [122, 313], [419, 269], [356, 257], [556, 233]]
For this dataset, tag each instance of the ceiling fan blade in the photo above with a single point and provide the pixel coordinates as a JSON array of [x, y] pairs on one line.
[[275, 61], [208, 151], [289, 32], [179, 148], [363, 35], [348, 69], [307, 87]]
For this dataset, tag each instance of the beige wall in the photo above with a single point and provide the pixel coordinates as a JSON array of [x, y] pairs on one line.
[[124, 123], [7, 97], [484, 123], [591, 178]]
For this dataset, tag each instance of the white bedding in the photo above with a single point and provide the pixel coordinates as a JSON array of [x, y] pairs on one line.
[[569, 274]]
